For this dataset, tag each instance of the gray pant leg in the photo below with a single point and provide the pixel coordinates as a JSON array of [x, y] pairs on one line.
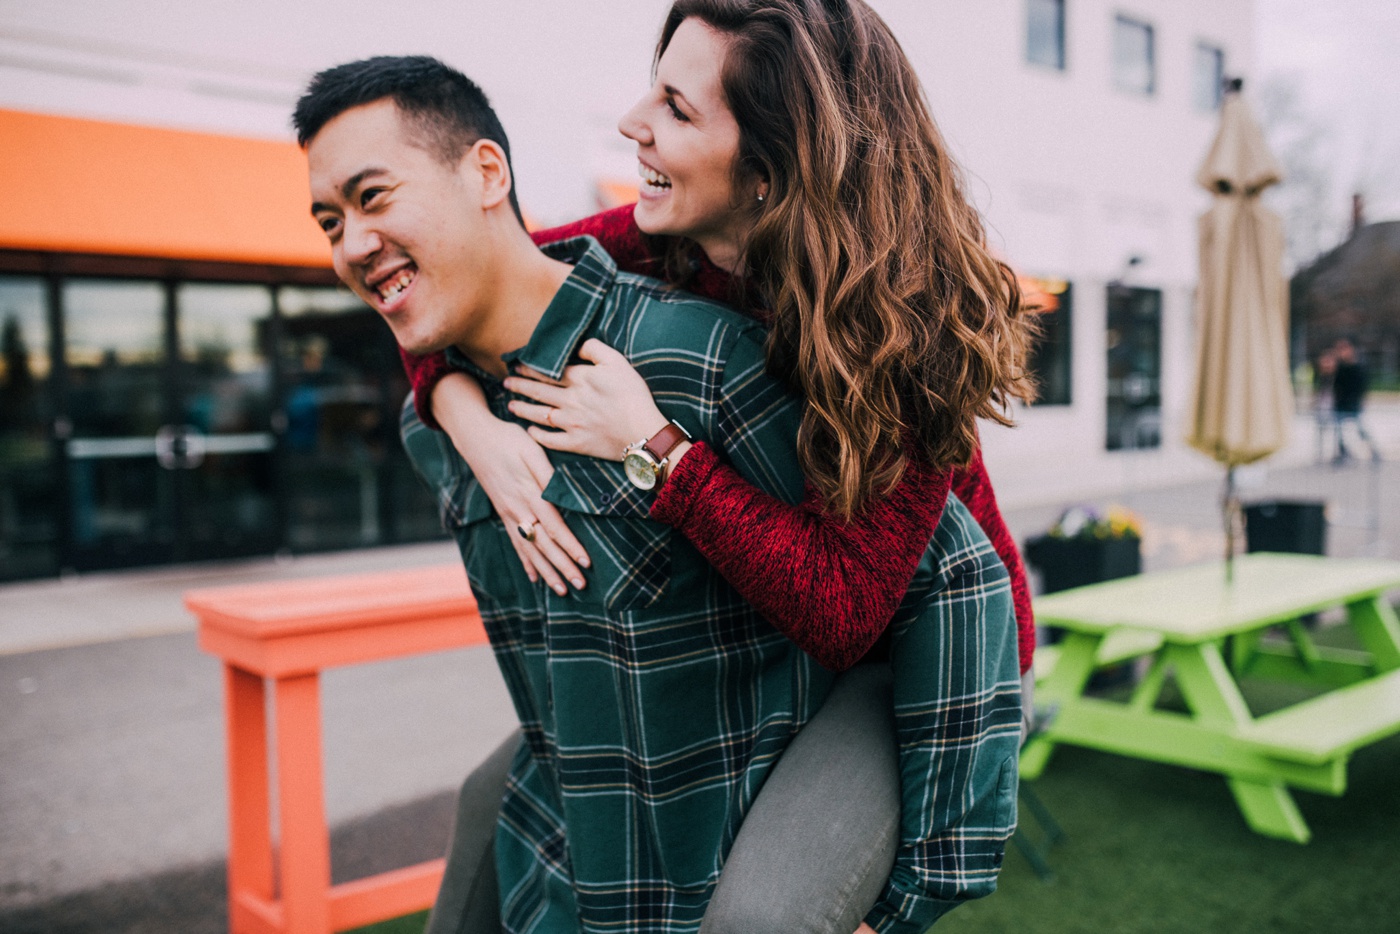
[[817, 847], [469, 900]]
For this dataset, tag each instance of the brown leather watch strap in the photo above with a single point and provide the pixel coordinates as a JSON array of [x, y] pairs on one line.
[[661, 444]]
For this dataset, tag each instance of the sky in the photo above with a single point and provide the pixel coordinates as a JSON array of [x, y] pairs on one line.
[[1343, 59]]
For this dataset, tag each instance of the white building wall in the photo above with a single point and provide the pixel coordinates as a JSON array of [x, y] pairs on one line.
[[1072, 175]]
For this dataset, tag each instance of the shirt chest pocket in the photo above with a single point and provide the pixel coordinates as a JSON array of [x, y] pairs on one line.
[[631, 554]]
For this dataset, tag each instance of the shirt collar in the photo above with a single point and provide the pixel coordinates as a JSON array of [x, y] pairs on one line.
[[570, 314]]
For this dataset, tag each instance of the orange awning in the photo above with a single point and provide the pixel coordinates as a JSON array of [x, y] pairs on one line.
[[84, 186], [614, 193]]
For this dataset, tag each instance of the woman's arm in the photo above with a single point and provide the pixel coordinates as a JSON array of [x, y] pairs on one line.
[[513, 471], [829, 585], [424, 373], [806, 560]]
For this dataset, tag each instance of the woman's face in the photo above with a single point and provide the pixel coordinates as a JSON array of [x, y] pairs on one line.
[[687, 143]]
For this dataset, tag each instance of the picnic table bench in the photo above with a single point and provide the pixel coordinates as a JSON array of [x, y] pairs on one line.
[[1206, 633]]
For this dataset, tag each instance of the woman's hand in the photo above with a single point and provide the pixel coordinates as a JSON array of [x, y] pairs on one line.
[[513, 471], [597, 409]]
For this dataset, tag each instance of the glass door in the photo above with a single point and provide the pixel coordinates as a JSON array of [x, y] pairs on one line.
[[168, 421], [121, 443], [227, 480], [29, 525]]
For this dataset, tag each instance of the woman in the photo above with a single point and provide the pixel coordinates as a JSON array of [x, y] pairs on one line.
[[897, 328]]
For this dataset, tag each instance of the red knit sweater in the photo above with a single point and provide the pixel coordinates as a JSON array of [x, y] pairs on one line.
[[830, 585]]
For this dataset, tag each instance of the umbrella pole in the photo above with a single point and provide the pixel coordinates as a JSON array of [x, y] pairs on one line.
[[1230, 508]]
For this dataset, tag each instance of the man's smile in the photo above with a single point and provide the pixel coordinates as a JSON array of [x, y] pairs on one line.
[[389, 285]]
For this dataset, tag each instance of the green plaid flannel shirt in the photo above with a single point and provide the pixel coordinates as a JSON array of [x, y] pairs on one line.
[[655, 701]]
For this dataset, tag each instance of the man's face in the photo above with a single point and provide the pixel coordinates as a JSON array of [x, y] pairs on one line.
[[406, 229]]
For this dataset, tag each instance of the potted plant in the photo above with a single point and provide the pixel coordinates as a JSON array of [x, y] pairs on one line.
[[1086, 547]]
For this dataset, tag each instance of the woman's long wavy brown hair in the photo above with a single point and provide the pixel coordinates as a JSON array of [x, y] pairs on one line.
[[887, 311]]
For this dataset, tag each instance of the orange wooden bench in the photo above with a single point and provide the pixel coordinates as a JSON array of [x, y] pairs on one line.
[[284, 634]]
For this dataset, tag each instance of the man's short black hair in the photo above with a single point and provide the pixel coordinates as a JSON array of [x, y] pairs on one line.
[[446, 108]]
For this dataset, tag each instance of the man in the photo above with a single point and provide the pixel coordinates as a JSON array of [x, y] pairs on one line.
[[1350, 381], [654, 702]]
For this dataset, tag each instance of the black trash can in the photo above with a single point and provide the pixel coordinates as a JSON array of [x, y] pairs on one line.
[[1074, 562], [1294, 526]]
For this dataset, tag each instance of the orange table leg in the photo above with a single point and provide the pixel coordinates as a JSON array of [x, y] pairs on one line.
[[306, 858], [250, 834]]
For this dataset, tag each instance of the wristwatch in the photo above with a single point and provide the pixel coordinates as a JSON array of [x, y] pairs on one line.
[[644, 460]]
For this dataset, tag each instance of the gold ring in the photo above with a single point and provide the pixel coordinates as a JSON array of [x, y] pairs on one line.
[[527, 532], [549, 417]]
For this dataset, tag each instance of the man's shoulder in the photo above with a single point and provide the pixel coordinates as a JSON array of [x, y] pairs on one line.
[[960, 541], [678, 316]]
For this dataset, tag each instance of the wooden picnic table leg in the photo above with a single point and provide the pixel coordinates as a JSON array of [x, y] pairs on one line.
[[1214, 699], [1374, 621], [249, 827], [306, 860], [1062, 687]]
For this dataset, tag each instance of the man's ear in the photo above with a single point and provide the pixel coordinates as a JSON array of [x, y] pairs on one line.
[[488, 161]]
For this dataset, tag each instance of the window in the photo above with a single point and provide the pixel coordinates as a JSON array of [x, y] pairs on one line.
[[1134, 57], [1208, 77], [1134, 368], [1045, 33], [1050, 355]]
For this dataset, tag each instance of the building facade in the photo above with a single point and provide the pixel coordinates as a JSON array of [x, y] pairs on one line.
[[181, 378]]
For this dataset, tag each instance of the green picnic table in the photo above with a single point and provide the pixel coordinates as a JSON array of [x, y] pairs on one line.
[[1206, 633]]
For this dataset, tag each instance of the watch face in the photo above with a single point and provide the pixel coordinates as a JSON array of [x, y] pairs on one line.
[[640, 469]]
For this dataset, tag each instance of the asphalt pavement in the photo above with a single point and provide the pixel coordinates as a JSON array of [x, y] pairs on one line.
[[111, 728]]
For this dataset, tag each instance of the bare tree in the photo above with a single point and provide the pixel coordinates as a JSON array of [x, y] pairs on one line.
[[1314, 214]]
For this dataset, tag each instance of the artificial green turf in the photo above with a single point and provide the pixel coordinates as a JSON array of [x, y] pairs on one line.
[[1157, 849]]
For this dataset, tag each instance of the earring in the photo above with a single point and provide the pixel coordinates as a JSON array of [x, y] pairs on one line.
[[760, 197]]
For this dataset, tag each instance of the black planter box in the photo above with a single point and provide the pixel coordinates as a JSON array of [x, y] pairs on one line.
[[1295, 526], [1073, 562]]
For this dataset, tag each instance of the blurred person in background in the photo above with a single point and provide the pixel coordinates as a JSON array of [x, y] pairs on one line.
[[1323, 414], [1350, 384]]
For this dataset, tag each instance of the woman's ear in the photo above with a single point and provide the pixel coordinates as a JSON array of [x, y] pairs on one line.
[[488, 161]]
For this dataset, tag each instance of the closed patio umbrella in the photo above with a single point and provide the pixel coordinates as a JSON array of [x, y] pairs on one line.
[[1242, 400]]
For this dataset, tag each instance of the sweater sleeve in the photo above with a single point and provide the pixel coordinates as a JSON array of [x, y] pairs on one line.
[[974, 488], [829, 585]]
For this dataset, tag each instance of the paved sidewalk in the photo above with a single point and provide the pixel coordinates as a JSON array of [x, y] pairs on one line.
[[112, 776], [112, 771]]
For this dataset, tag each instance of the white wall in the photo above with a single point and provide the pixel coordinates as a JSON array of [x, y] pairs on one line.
[[1072, 175]]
